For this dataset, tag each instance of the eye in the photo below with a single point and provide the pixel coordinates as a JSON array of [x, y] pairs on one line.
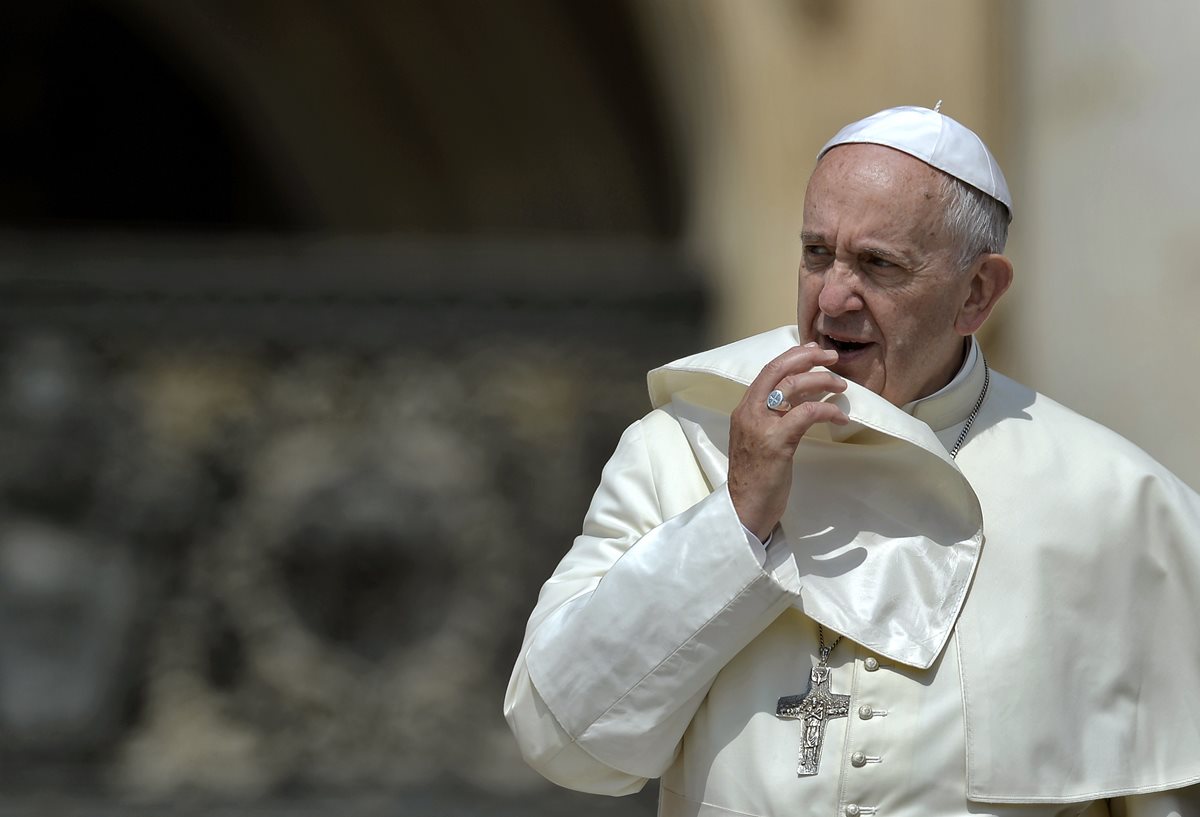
[[815, 254], [879, 263]]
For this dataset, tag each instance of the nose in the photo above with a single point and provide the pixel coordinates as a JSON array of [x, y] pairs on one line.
[[839, 291]]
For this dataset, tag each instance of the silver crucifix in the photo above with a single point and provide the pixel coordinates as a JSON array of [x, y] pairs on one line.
[[813, 709]]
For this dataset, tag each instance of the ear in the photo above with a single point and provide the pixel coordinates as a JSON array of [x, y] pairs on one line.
[[990, 276]]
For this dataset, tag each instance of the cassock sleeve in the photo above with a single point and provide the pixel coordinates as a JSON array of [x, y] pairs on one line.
[[638, 619]]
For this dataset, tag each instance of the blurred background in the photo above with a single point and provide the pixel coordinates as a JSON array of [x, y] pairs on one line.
[[318, 321]]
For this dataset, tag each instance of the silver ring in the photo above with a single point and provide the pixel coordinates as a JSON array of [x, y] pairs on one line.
[[774, 399]]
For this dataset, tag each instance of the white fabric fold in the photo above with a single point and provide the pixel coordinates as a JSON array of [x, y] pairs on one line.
[[881, 526]]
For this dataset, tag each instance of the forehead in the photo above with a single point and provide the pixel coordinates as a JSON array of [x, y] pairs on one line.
[[875, 190]]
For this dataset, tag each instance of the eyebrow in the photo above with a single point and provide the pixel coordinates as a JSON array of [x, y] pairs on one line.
[[887, 255]]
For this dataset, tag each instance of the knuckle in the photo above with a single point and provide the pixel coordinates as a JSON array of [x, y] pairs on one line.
[[794, 383], [806, 410], [774, 367], [810, 412]]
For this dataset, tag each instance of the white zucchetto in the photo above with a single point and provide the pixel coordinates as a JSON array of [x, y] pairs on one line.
[[935, 139]]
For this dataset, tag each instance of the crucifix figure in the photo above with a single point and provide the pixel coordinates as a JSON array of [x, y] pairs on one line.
[[813, 709]]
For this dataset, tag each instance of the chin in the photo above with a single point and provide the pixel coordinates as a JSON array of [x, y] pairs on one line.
[[872, 380]]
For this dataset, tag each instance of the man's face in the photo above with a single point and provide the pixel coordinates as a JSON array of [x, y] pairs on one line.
[[878, 277]]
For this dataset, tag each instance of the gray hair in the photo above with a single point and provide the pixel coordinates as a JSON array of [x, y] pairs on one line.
[[976, 222]]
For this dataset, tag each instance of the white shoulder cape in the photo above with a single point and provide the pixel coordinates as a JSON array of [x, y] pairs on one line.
[[1065, 558]]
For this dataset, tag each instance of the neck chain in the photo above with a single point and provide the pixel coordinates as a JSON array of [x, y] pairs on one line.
[[823, 655], [966, 429]]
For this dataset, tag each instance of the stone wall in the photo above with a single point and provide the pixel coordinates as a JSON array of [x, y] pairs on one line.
[[262, 543]]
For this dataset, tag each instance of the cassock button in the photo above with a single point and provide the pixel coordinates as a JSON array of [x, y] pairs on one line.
[[871, 664], [865, 712], [858, 759], [852, 810]]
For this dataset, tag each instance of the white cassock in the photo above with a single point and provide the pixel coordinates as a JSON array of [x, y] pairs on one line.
[[1020, 622]]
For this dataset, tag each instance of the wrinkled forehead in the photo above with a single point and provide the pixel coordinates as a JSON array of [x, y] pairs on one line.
[[878, 165], [875, 186]]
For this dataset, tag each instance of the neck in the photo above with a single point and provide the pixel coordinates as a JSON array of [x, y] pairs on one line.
[[946, 372], [950, 404]]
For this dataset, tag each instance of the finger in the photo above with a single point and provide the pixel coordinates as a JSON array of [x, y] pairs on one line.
[[811, 385], [794, 361], [804, 416], [776, 401]]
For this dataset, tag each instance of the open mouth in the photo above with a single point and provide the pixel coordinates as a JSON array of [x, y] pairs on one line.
[[844, 345]]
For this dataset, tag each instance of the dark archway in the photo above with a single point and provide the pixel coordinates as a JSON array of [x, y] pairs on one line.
[[103, 128], [456, 117]]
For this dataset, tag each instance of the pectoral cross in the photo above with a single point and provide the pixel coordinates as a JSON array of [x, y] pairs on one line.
[[813, 709]]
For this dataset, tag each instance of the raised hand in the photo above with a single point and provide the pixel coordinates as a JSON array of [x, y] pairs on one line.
[[762, 441]]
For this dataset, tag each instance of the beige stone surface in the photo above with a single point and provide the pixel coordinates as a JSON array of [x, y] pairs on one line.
[[1103, 313]]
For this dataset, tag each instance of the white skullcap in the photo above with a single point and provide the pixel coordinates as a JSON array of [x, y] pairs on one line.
[[935, 139]]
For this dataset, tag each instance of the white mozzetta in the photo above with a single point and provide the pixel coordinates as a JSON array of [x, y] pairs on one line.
[[1067, 674]]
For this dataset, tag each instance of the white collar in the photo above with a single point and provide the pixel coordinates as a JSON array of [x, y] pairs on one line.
[[952, 403]]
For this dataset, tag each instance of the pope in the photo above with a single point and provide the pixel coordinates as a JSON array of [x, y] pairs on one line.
[[846, 568]]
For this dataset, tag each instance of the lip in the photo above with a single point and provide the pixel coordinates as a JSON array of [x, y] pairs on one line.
[[845, 357], [827, 341]]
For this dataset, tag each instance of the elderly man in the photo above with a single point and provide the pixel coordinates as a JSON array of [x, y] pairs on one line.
[[844, 568]]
